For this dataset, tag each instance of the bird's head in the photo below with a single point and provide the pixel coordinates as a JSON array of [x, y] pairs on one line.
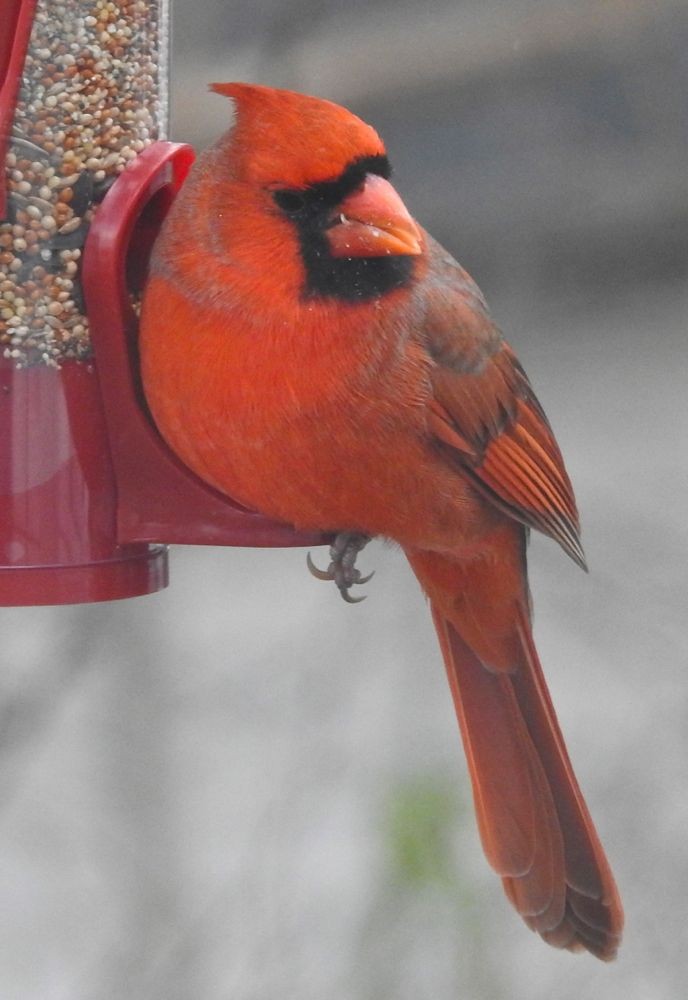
[[304, 179]]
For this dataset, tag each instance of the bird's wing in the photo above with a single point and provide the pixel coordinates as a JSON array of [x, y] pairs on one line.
[[485, 415]]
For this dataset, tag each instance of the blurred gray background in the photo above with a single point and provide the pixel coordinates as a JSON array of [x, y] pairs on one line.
[[243, 789]]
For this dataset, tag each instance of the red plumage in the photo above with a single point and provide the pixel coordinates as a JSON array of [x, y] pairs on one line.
[[309, 350]]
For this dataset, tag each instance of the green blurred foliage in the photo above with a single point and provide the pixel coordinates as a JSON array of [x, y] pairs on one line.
[[420, 825]]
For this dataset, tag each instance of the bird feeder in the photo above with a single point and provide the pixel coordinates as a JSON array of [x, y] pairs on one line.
[[89, 493]]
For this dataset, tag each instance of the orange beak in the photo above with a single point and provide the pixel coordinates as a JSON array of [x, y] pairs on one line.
[[373, 222]]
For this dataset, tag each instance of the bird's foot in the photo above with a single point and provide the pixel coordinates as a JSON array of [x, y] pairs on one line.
[[342, 569]]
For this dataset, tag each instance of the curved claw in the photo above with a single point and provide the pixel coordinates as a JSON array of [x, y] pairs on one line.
[[351, 600], [342, 569], [319, 574]]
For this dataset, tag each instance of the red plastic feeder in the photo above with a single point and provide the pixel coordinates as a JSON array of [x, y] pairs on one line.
[[89, 493], [57, 490]]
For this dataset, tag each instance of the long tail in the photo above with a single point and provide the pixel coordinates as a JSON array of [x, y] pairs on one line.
[[534, 824]]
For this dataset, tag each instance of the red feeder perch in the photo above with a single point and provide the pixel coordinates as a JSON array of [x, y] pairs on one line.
[[158, 497], [89, 492]]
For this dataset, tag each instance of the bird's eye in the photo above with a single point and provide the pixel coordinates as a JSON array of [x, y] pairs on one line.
[[291, 202]]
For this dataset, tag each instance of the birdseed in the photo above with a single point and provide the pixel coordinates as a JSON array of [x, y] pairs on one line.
[[93, 95]]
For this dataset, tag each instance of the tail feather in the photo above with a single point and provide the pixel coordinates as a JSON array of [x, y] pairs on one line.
[[587, 868], [498, 758], [534, 824], [539, 895]]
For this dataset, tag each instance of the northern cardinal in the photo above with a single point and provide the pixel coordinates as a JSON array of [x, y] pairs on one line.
[[309, 350]]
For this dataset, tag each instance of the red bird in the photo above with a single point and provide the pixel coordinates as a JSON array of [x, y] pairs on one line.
[[312, 352]]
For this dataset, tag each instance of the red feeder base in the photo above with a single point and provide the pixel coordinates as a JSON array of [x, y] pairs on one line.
[[130, 575], [58, 537]]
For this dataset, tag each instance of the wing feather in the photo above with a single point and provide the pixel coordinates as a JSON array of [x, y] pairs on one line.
[[485, 416]]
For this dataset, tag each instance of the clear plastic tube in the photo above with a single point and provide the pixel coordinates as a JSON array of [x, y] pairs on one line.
[[94, 93]]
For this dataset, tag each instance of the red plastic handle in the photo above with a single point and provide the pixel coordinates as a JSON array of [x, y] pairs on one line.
[[159, 498], [16, 18]]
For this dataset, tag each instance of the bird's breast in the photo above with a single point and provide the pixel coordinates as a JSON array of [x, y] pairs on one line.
[[320, 422]]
